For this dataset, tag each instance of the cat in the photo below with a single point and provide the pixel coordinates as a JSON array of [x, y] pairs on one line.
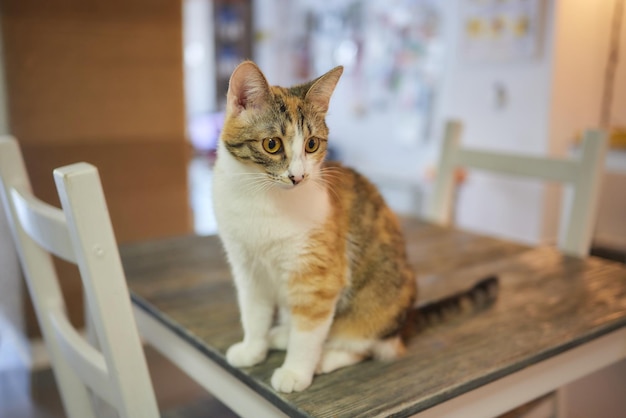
[[309, 242]]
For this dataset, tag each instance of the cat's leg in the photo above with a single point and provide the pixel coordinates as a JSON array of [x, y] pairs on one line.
[[340, 353], [256, 306], [333, 359], [303, 352], [279, 335], [388, 349], [343, 351], [310, 322]]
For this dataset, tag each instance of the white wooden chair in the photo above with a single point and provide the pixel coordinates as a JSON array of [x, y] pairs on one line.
[[80, 233], [584, 174]]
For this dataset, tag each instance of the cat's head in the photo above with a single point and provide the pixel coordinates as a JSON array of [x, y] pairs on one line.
[[279, 132]]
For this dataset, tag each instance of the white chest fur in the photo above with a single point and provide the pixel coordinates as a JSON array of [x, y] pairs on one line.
[[264, 226]]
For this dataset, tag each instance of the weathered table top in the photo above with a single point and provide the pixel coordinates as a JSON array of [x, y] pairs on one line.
[[547, 304]]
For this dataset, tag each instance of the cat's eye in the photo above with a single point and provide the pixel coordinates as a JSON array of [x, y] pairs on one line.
[[272, 145], [312, 145]]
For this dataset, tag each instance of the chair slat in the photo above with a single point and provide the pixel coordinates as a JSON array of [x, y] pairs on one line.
[[551, 169], [45, 224], [576, 235], [85, 360]]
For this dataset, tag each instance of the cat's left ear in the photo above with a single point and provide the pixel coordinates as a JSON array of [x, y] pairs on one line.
[[247, 90], [320, 91]]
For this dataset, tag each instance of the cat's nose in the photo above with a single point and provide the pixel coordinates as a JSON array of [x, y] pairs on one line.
[[295, 179]]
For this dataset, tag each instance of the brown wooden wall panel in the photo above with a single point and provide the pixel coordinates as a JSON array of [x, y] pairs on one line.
[[102, 81], [145, 183], [80, 74]]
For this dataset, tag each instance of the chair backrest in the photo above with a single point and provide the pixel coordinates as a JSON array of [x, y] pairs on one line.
[[583, 174], [80, 233]]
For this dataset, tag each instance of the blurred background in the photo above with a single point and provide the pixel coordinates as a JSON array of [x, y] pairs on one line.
[[137, 88], [524, 76]]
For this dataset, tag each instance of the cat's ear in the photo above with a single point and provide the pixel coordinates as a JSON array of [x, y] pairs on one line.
[[320, 91], [248, 89]]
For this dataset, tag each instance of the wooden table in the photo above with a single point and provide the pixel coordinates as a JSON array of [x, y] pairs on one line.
[[556, 319]]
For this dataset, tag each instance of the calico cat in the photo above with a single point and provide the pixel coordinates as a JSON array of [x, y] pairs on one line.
[[309, 242]]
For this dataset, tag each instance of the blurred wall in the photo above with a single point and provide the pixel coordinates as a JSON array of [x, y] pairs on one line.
[[583, 31], [199, 57]]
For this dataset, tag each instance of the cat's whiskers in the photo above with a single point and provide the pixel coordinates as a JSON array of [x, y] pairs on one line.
[[326, 177], [327, 174], [254, 182], [330, 170], [259, 184], [247, 174], [330, 176], [259, 188], [324, 184], [255, 178]]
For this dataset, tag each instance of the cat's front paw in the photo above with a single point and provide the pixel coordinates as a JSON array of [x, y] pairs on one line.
[[246, 354], [288, 380]]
